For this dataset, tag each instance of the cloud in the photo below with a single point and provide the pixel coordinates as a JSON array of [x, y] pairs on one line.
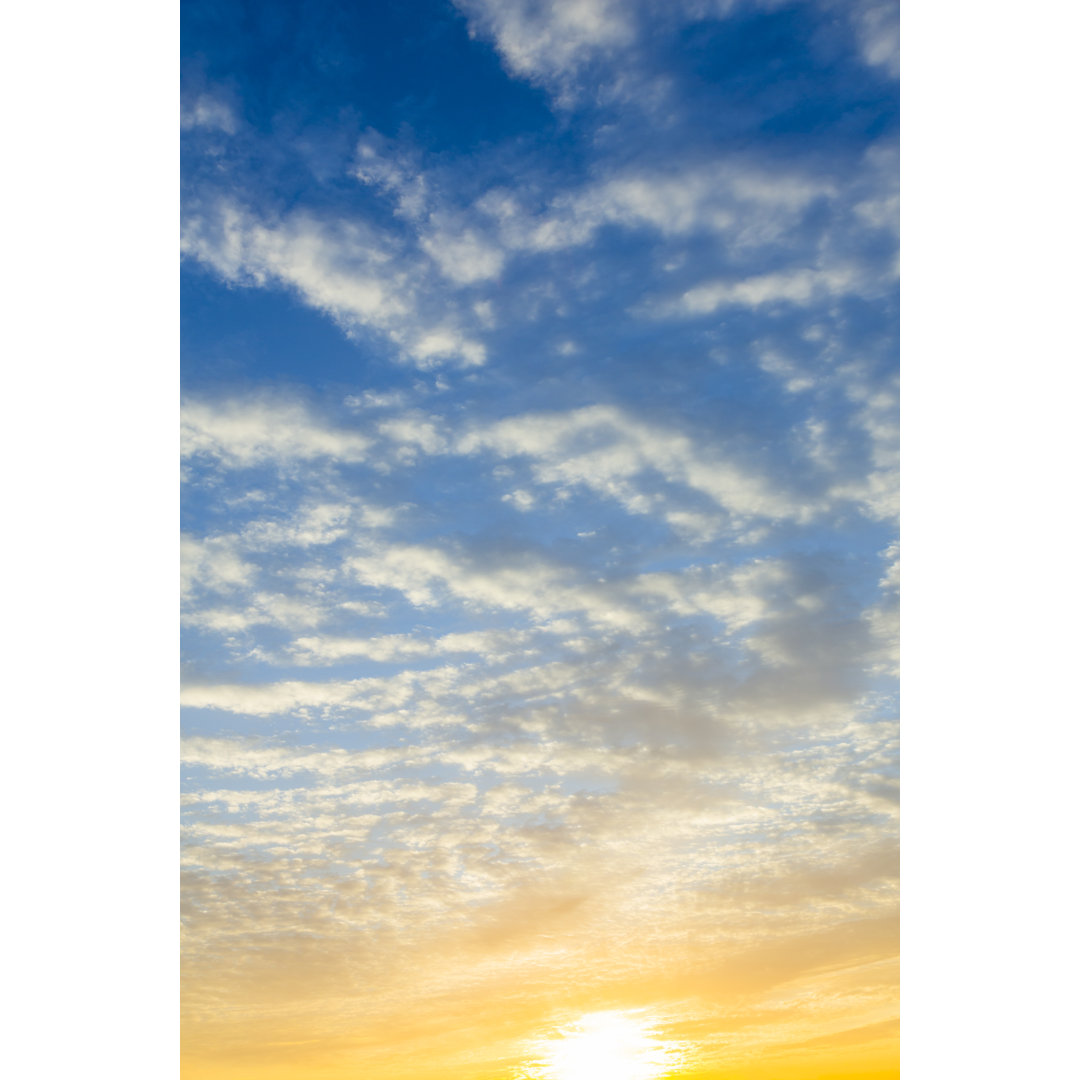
[[520, 499], [794, 379], [778, 615], [261, 759], [313, 525], [443, 343], [268, 699], [801, 287], [605, 449], [589, 51], [876, 419], [883, 618], [209, 113], [551, 40], [343, 267], [738, 597], [491, 645], [393, 173], [343, 271], [260, 609], [751, 202], [463, 256], [251, 432], [878, 30], [213, 563], [232, 582], [520, 581]]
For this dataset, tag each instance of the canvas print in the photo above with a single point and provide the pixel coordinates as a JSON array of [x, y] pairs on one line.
[[540, 552]]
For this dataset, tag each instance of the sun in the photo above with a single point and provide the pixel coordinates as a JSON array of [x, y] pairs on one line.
[[605, 1046]]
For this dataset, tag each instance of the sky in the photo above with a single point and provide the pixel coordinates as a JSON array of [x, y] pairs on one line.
[[540, 556]]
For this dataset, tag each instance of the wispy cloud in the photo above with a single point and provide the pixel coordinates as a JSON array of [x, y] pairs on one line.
[[341, 267], [260, 431]]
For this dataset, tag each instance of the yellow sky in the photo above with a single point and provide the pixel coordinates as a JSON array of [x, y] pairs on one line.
[[790, 1001]]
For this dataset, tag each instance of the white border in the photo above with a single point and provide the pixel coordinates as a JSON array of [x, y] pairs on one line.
[[90, 539], [989, 383]]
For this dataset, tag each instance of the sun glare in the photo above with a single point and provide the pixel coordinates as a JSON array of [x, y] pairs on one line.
[[605, 1046]]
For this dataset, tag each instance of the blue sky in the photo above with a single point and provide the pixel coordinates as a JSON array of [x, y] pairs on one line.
[[539, 369]]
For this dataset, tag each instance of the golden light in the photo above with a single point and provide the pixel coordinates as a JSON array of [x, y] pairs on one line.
[[605, 1046]]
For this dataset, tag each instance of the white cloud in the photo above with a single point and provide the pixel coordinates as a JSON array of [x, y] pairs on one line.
[[878, 29], [268, 699], [801, 287], [260, 609], [243, 433], [883, 618], [748, 202], [738, 597], [311, 526], [295, 697], [208, 113], [696, 527], [371, 399], [463, 256], [795, 380], [341, 267], [214, 563], [427, 575], [396, 175], [242, 568], [520, 499], [550, 40], [415, 431], [444, 343], [876, 192], [891, 580], [603, 448], [265, 759], [489, 644], [877, 416], [344, 270]]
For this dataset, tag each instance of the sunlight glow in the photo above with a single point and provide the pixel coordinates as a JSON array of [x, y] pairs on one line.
[[606, 1046]]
